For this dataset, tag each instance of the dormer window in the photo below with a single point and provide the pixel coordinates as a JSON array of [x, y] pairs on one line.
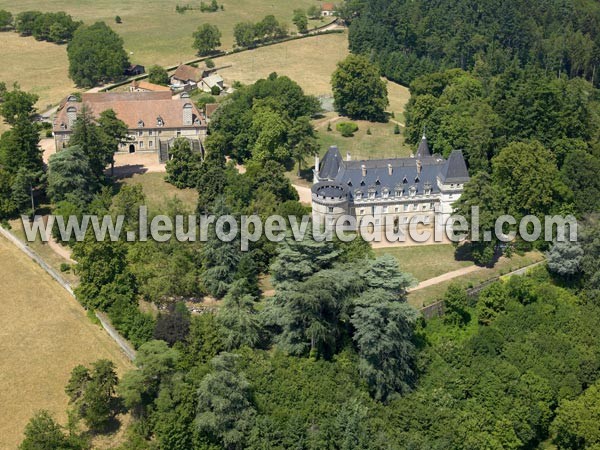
[[404, 180], [377, 183], [428, 189], [140, 124], [358, 194], [412, 191], [160, 122], [362, 182], [398, 192], [372, 192], [417, 179], [385, 193], [350, 183]]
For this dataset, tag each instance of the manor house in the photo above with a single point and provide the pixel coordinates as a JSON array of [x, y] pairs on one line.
[[153, 119], [424, 185]]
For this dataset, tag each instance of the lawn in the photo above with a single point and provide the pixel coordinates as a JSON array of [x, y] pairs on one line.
[[310, 62], [158, 192], [434, 293], [381, 143], [44, 334], [425, 261]]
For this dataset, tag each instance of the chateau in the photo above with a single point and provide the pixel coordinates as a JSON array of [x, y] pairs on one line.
[[396, 189], [154, 119]]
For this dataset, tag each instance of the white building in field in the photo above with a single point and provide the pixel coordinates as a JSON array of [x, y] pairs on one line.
[[396, 189]]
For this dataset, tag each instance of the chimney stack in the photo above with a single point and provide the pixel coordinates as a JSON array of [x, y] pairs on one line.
[[364, 170], [389, 169], [419, 166], [317, 163]]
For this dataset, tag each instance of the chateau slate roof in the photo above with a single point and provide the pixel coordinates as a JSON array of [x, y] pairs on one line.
[[405, 174], [423, 150], [455, 169]]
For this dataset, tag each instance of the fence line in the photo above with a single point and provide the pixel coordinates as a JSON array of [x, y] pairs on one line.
[[112, 332], [436, 309]]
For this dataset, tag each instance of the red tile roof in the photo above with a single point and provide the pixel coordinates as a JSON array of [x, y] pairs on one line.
[[327, 7], [133, 107]]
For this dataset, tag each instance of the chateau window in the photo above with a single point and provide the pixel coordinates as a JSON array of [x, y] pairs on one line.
[[149, 132], [432, 206], [150, 144], [413, 191], [362, 211], [415, 206], [385, 209], [141, 144], [140, 124], [372, 195], [330, 210], [140, 133], [404, 180], [405, 207], [397, 209], [452, 186], [385, 193], [159, 121], [358, 195], [178, 132], [398, 193], [417, 179]]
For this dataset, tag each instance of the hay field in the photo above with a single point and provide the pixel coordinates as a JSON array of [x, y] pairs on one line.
[[44, 334], [310, 62]]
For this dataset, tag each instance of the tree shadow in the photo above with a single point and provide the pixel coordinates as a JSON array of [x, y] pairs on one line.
[[128, 171]]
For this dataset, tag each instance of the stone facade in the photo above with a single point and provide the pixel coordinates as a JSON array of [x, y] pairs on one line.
[[398, 190], [153, 118]]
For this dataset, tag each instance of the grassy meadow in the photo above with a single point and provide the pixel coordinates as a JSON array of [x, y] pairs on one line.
[[153, 32], [44, 333]]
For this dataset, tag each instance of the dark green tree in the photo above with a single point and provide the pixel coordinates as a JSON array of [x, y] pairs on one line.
[[300, 19], [238, 318], [225, 413], [96, 55], [358, 90], [158, 75], [184, 165], [69, 173], [207, 38]]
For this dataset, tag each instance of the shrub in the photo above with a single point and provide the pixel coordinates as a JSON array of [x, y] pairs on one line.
[[48, 133], [118, 19], [347, 129], [64, 267], [369, 131], [396, 129], [209, 63], [215, 90]]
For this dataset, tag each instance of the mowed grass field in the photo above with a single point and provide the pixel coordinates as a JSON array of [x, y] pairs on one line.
[[425, 261], [158, 192], [44, 334]]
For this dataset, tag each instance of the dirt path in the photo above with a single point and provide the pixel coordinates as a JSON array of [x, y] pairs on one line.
[[445, 277], [304, 194], [60, 250]]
